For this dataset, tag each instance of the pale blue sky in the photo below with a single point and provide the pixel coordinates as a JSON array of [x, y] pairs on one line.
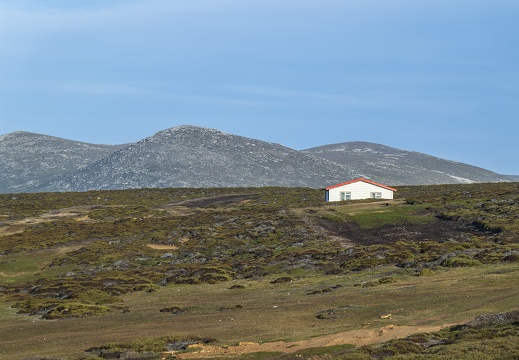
[[434, 76]]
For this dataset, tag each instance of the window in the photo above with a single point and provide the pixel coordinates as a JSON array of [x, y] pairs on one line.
[[345, 195], [376, 195]]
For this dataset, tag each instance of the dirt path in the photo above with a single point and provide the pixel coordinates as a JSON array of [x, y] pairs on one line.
[[354, 208], [162, 247], [9, 227], [213, 200], [354, 337], [340, 232]]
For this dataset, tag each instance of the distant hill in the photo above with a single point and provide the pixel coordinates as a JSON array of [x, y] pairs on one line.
[[511, 177], [28, 160], [399, 167], [189, 156]]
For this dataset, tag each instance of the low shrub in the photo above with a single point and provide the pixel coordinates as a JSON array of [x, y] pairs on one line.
[[175, 310], [425, 272], [76, 310], [155, 345], [387, 280], [460, 261], [96, 297]]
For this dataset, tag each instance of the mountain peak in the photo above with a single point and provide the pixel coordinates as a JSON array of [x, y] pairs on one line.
[[30, 159], [185, 129], [193, 156], [400, 167], [18, 134]]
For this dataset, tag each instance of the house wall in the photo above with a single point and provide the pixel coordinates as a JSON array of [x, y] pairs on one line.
[[359, 190]]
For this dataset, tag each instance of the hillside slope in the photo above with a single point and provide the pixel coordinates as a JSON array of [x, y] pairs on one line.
[[189, 156], [29, 160], [399, 167], [136, 273]]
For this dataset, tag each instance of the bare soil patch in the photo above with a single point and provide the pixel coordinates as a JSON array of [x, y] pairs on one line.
[[372, 205], [386, 234], [162, 247], [10, 227], [70, 212], [214, 200], [354, 337], [7, 229], [3, 274]]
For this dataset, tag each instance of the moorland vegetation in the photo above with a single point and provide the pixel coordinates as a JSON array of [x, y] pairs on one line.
[[141, 272]]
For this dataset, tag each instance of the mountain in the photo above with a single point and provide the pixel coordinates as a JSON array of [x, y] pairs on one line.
[[189, 156], [399, 167], [28, 160]]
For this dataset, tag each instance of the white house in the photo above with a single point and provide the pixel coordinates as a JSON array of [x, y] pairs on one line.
[[358, 189]]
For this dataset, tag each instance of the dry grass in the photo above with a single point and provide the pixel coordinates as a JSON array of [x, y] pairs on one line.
[[124, 253], [270, 312], [24, 267], [162, 247]]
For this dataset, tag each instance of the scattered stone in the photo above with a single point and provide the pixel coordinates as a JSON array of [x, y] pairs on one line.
[[237, 307], [336, 313], [324, 290], [121, 264], [183, 345], [234, 287], [284, 279], [175, 310], [495, 319]]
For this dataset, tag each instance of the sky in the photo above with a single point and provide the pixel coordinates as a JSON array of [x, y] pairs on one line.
[[439, 77]]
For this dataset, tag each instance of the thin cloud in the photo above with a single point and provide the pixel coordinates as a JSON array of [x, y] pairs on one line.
[[31, 16], [101, 88], [156, 92], [365, 99]]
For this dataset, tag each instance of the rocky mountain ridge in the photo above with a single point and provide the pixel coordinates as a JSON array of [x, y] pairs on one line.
[[29, 160], [190, 156], [400, 167]]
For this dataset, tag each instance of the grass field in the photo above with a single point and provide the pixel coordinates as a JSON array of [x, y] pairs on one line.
[[143, 270], [264, 312]]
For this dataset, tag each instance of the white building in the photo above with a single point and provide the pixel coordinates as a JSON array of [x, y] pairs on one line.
[[358, 189]]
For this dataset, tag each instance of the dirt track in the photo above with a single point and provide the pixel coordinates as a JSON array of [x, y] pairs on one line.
[[9, 227], [353, 337], [213, 200], [351, 232]]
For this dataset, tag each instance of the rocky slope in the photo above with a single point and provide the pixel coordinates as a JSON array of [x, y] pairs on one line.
[[189, 156], [28, 160], [399, 167]]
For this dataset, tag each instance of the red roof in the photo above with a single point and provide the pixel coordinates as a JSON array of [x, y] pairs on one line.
[[361, 179]]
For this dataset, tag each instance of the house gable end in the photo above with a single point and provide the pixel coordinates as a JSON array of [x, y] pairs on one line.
[[363, 180]]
